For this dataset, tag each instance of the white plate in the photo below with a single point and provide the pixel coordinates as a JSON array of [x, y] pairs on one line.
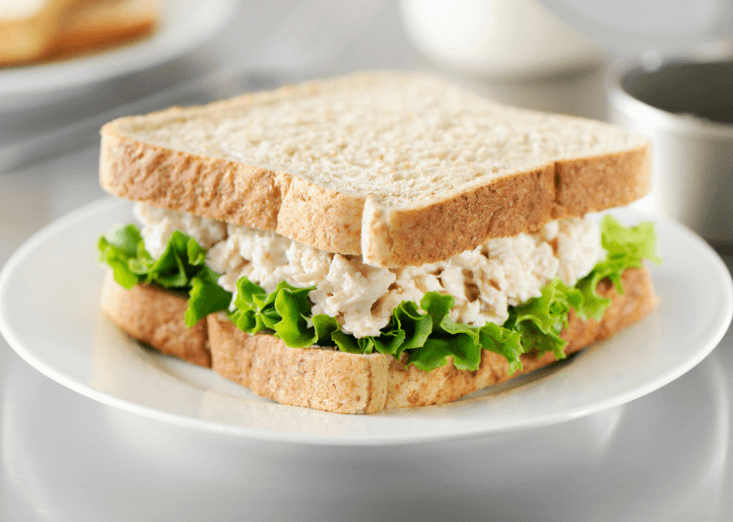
[[49, 313], [184, 26]]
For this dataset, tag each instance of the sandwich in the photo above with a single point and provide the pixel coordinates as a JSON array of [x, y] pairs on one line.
[[39, 31], [381, 240]]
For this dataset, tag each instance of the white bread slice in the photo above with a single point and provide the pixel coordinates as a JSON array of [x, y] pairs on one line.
[[336, 381], [398, 167], [65, 28]]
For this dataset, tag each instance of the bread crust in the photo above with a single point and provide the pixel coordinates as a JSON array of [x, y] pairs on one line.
[[428, 231], [155, 317], [521, 203], [352, 383], [316, 378]]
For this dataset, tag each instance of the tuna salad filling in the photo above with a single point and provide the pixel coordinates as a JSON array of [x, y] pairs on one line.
[[510, 295], [484, 282]]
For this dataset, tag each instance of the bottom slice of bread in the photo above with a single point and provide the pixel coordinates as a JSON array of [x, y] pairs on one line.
[[350, 383], [335, 381], [155, 316]]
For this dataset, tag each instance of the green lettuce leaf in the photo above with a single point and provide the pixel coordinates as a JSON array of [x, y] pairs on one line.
[[286, 313], [205, 297], [117, 249], [639, 242], [425, 332], [447, 338], [181, 267], [503, 341], [539, 321], [626, 248]]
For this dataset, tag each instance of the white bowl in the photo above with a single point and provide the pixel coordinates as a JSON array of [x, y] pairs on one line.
[[685, 106]]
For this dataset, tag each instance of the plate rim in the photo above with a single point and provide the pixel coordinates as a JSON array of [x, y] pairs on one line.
[[67, 221]]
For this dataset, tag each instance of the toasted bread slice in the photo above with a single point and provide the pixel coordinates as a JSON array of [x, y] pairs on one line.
[[25, 36], [65, 28], [397, 167], [106, 24]]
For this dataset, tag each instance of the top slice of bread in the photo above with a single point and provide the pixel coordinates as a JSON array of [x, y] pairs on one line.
[[400, 168]]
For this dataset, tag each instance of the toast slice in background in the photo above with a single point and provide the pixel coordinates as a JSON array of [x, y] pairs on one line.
[[104, 25], [28, 31], [62, 29]]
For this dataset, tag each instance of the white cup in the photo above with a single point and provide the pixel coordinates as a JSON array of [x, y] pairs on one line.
[[686, 107]]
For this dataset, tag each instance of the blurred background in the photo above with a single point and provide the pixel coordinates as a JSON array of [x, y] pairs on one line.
[[660, 68]]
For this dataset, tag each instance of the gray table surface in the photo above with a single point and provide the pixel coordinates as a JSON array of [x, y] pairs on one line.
[[665, 456]]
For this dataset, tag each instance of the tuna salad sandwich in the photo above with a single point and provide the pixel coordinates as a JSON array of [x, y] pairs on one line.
[[382, 240]]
